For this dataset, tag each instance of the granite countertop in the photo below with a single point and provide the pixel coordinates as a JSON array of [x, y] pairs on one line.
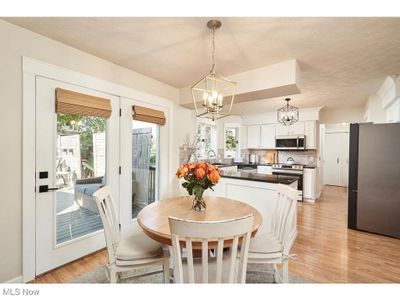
[[284, 179], [309, 166]]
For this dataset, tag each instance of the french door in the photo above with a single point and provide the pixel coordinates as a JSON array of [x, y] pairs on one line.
[[144, 167], [75, 156]]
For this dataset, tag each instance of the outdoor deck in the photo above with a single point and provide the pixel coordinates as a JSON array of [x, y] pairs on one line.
[[74, 221]]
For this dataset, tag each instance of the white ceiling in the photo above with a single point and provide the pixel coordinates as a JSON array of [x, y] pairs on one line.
[[343, 60]]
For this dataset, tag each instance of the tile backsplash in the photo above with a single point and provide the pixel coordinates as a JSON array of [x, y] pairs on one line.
[[308, 157]]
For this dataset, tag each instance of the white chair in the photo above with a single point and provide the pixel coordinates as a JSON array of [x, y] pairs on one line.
[[274, 247], [219, 268], [131, 252]]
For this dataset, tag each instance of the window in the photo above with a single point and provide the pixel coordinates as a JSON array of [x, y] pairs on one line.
[[231, 145], [207, 141]]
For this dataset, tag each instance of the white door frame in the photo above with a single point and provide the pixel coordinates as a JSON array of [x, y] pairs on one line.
[[31, 69]]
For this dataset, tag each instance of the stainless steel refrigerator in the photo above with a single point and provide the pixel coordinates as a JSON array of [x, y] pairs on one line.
[[374, 178]]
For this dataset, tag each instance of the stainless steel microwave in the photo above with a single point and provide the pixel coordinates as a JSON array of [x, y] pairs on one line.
[[290, 142]]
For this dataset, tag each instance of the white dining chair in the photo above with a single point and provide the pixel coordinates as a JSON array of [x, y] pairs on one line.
[[274, 247], [127, 252], [228, 267]]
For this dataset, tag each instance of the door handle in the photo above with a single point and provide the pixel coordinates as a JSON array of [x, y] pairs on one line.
[[45, 188], [337, 160]]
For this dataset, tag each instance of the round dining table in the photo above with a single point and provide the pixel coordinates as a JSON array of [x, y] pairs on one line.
[[154, 217]]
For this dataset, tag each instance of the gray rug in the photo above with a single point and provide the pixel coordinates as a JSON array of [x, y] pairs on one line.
[[255, 274]]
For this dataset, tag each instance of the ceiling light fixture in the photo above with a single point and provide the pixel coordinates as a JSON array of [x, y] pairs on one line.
[[288, 114], [213, 91]]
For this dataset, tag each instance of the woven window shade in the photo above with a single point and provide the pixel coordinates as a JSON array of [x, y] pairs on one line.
[[69, 102], [149, 115]]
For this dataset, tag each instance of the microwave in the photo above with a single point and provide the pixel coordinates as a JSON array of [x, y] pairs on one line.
[[290, 142]]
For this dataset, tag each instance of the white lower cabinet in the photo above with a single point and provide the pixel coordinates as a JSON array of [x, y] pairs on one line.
[[309, 183]]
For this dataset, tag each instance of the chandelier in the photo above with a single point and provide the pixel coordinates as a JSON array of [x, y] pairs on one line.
[[215, 93], [288, 114]]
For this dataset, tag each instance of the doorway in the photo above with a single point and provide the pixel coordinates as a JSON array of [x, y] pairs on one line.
[[76, 154], [336, 157]]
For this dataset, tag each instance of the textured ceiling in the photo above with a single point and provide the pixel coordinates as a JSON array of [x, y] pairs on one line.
[[343, 60]]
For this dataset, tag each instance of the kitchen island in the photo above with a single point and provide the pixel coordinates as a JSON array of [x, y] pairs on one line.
[[257, 190]]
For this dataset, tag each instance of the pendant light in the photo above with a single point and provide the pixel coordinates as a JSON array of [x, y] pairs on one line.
[[213, 93], [288, 114]]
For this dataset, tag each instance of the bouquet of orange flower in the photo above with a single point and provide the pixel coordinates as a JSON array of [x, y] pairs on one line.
[[198, 177]]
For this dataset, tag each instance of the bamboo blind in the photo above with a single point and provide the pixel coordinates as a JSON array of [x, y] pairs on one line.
[[69, 102], [149, 115]]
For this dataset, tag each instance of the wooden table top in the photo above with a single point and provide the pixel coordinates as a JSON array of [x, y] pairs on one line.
[[154, 217]]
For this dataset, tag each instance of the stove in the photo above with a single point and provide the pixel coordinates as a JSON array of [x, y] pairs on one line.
[[292, 170]]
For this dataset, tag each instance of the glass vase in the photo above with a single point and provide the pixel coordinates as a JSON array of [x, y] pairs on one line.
[[199, 203]]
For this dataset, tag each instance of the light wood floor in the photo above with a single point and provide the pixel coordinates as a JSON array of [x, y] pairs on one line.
[[327, 251]]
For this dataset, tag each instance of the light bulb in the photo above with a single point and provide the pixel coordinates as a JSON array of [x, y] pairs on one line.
[[214, 94]]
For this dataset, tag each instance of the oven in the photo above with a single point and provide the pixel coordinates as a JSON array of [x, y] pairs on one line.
[[289, 171], [290, 142]]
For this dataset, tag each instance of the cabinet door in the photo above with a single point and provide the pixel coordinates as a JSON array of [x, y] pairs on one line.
[[310, 133], [243, 137], [253, 136], [297, 128], [309, 183], [268, 136], [282, 129]]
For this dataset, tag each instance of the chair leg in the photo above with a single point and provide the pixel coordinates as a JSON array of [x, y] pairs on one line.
[[276, 273], [113, 275], [167, 275], [285, 271]]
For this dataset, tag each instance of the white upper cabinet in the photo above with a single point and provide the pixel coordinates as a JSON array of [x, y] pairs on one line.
[[295, 129], [268, 136], [253, 136], [310, 131], [243, 137]]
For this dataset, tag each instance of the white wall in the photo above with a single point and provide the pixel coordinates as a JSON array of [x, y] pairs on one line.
[[342, 115], [374, 111], [15, 43]]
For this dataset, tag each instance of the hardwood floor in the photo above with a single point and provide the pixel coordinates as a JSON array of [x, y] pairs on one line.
[[326, 250]]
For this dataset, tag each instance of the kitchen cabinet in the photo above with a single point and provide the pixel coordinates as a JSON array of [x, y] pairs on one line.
[[261, 136], [253, 136], [268, 136], [243, 137], [309, 183], [264, 170], [294, 129], [310, 131]]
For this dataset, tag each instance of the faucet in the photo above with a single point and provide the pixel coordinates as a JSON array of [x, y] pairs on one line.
[[208, 154]]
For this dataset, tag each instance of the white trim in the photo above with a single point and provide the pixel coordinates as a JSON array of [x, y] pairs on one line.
[[31, 69], [17, 279]]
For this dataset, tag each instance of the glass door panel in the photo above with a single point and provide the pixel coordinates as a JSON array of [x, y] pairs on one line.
[[145, 162], [80, 171]]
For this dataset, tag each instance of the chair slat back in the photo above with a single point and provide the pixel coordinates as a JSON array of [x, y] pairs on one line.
[[109, 219], [284, 221], [185, 233]]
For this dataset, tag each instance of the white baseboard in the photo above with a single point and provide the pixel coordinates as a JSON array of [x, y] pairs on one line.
[[15, 280]]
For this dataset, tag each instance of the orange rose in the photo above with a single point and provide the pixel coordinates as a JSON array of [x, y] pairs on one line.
[[214, 176], [191, 166], [200, 173], [182, 172]]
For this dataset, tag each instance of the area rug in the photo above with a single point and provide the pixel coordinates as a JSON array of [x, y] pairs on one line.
[[256, 274]]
